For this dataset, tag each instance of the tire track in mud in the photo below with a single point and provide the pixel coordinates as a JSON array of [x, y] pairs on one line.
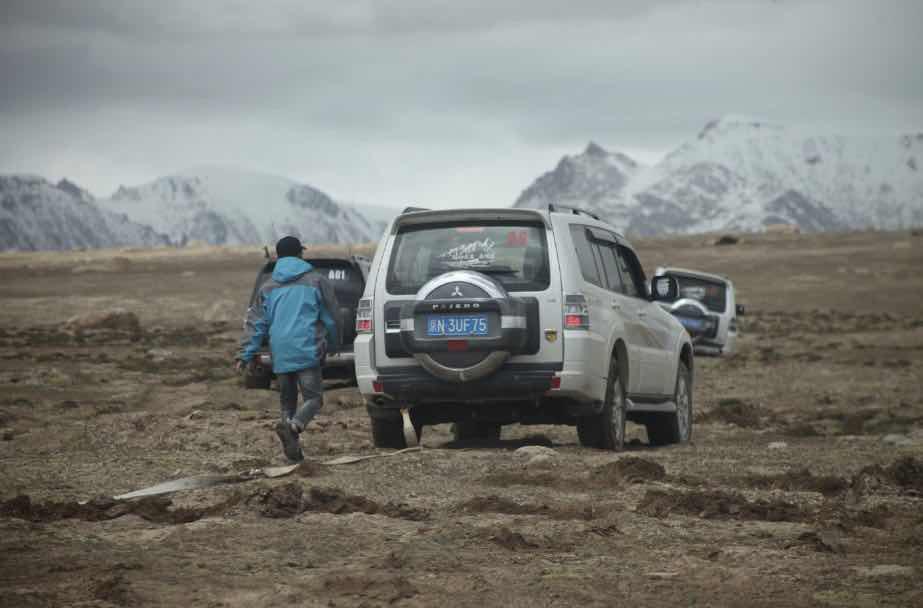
[[154, 509], [290, 499]]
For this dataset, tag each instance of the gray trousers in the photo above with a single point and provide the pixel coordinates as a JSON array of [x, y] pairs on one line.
[[310, 383]]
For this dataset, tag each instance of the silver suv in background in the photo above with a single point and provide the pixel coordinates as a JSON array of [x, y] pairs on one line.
[[707, 306], [487, 317]]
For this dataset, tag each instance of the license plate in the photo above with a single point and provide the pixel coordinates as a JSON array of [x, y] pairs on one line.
[[693, 324], [456, 325]]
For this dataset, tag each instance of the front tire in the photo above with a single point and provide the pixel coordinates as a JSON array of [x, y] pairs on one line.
[[676, 427], [606, 430]]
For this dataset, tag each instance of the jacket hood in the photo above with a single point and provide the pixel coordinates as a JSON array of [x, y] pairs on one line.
[[288, 269]]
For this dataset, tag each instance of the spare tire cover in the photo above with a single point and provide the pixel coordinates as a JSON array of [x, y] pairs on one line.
[[690, 309], [462, 366]]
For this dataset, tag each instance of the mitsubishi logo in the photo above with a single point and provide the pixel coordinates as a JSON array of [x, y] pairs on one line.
[[457, 293]]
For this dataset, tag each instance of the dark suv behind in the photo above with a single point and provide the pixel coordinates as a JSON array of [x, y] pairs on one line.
[[347, 275]]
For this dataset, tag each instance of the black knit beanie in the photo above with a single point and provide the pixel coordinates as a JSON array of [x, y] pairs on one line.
[[288, 246]]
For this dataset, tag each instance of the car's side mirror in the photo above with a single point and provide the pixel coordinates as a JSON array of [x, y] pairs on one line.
[[741, 311], [664, 288]]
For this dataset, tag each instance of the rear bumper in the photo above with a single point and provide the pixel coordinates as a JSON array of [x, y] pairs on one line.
[[344, 358], [725, 345], [340, 359], [412, 385]]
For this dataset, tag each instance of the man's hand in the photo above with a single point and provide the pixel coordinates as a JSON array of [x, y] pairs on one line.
[[240, 365]]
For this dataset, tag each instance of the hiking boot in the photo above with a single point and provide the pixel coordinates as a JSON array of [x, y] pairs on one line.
[[289, 440]]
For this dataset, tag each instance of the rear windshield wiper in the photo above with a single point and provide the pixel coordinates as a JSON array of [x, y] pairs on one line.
[[497, 270]]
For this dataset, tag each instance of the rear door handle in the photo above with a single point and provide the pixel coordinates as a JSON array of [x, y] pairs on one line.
[[642, 313]]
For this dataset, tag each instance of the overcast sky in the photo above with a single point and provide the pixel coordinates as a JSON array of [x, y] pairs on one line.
[[440, 103]]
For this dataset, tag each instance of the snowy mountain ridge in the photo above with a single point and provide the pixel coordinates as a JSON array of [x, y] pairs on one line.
[[744, 174], [36, 214], [211, 205], [224, 206]]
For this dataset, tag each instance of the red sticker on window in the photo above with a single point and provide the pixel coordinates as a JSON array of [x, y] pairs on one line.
[[517, 238]]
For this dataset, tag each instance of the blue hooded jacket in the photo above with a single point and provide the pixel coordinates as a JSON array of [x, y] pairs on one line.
[[296, 309]]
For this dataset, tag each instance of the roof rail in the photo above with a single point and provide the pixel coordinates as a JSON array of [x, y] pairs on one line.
[[413, 209], [575, 210]]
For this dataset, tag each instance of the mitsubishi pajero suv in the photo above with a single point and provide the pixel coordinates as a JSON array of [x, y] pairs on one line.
[[488, 317]]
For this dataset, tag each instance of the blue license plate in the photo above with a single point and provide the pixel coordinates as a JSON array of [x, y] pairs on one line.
[[456, 325]]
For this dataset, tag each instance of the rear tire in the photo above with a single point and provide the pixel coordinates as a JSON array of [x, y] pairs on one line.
[[676, 427], [388, 433], [469, 429], [606, 430]]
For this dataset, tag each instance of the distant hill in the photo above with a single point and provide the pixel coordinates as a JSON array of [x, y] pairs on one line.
[[211, 205], [36, 214], [231, 207], [744, 174]]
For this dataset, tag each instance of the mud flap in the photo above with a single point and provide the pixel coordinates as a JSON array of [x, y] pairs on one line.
[[410, 433]]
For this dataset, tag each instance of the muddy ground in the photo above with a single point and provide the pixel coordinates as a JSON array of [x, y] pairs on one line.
[[803, 486]]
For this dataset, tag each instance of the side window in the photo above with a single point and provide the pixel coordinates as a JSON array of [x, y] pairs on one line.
[[632, 272], [585, 255], [611, 266]]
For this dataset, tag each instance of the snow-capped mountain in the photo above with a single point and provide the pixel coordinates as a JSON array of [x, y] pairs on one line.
[[229, 207], [378, 215], [744, 174], [36, 214], [595, 178]]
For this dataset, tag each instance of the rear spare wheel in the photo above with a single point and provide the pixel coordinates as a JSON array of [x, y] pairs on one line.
[[463, 326]]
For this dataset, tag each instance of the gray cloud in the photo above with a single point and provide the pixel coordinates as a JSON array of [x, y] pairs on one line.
[[452, 101]]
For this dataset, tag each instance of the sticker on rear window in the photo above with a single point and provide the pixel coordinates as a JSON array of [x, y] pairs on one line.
[[476, 254], [337, 275]]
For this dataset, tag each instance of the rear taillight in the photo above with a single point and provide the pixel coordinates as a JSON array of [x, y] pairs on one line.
[[364, 316], [576, 313], [378, 386]]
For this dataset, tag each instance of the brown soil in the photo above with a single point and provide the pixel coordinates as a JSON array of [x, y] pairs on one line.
[[800, 480], [903, 475], [628, 469], [717, 505], [829, 370]]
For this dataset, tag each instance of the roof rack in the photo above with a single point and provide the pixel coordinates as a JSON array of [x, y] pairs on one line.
[[413, 209], [575, 210]]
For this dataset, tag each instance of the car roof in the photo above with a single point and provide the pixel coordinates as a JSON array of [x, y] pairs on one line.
[[417, 216], [694, 273], [422, 217]]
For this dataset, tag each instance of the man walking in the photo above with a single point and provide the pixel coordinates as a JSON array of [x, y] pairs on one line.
[[296, 310]]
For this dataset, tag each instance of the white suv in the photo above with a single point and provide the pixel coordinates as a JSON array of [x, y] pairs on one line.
[[707, 306], [486, 317]]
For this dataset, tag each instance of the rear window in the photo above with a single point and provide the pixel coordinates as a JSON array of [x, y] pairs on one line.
[[346, 280], [712, 294], [515, 254], [342, 276]]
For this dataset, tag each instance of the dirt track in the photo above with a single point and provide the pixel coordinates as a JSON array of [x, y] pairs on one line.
[[803, 486]]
